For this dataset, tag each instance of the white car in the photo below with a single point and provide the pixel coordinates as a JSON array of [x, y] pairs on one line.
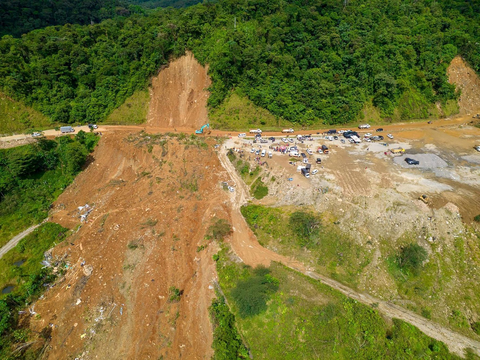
[[242, 135], [288, 131], [255, 131], [291, 140], [37, 134], [367, 135], [309, 152], [364, 126], [390, 136], [314, 171], [252, 150], [231, 189], [477, 148]]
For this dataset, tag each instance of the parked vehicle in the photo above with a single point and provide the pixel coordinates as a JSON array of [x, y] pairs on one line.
[[367, 135], [318, 161], [348, 134], [303, 155], [411, 161], [294, 153], [364, 126], [92, 126], [252, 150], [242, 135], [270, 154], [314, 172], [342, 141], [309, 152], [397, 151], [390, 136], [305, 172], [477, 148], [332, 131], [325, 149], [424, 198], [263, 153], [379, 130], [288, 131], [67, 129], [255, 131], [335, 138], [37, 134]]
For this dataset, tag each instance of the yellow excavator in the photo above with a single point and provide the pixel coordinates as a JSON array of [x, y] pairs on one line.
[[425, 199]]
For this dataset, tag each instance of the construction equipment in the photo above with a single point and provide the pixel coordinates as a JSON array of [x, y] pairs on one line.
[[424, 198], [477, 116], [202, 128]]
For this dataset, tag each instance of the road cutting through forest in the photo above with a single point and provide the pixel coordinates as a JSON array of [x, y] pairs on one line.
[[246, 246]]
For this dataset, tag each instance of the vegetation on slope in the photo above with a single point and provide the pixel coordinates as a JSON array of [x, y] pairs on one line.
[[32, 176], [305, 64], [305, 319], [440, 284], [16, 117], [22, 268]]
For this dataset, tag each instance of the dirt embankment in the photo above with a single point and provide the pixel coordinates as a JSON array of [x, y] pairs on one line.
[[466, 80], [178, 97], [152, 205]]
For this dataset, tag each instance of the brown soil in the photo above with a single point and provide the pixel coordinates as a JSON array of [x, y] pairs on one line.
[[140, 239], [179, 95], [466, 80]]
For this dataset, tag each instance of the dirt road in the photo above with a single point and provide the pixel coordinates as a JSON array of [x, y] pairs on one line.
[[246, 246], [15, 240]]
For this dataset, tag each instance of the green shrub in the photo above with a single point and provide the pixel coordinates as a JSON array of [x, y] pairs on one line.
[[174, 294], [227, 342], [477, 218], [251, 295], [220, 229], [411, 258], [305, 226], [259, 189]]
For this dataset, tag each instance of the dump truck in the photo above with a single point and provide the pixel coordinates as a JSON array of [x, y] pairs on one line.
[[67, 129], [325, 149]]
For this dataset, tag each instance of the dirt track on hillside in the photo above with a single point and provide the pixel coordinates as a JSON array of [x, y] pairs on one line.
[[246, 246], [178, 96]]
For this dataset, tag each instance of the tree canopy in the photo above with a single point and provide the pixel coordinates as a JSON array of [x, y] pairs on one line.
[[305, 61]]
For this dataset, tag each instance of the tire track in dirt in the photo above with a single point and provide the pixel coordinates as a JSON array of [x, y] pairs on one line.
[[246, 246]]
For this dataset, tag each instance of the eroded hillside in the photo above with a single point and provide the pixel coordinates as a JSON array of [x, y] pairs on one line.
[[179, 96], [139, 285], [466, 81]]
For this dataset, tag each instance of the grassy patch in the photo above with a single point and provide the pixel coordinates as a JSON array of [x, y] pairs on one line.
[[237, 112], [133, 111], [330, 252], [24, 259], [16, 117], [259, 189], [305, 319], [174, 294]]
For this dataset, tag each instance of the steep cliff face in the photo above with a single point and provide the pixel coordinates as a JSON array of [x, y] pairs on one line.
[[466, 80], [178, 97]]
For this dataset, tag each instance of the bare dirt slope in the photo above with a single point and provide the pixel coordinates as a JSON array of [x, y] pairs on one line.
[[152, 203], [179, 96], [466, 80]]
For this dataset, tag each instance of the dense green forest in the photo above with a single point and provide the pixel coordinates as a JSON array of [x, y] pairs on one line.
[[304, 61], [18, 17]]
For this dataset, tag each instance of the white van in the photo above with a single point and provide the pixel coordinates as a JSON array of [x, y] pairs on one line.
[[294, 153], [263, 153], [270, 154]]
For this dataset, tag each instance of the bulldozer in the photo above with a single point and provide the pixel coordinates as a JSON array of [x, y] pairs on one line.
[[424, 198]]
